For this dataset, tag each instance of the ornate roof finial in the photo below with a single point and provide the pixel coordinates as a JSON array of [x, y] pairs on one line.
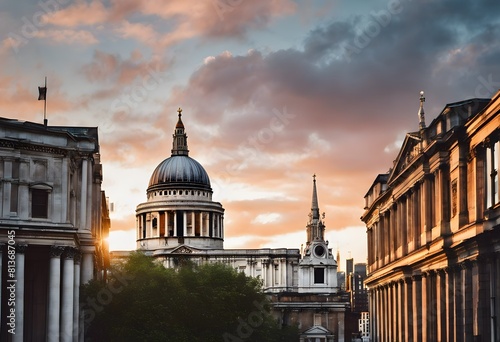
[[421, 113], [179, 146], [179, 122]]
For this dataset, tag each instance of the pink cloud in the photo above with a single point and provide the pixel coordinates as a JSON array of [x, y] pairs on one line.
[[67, 36], [138, 31], [186, 19], [80, 13]]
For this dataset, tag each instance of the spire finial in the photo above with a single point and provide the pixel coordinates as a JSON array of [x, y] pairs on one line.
[[421, 113], [314, 178], [179, 146]]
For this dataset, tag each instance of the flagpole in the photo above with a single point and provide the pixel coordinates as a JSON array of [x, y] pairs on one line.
[[45, 104]]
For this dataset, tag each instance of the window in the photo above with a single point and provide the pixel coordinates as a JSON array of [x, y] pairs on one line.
[[317, 319], [14, 197], [39, 203], [319, 275], [492, 156]]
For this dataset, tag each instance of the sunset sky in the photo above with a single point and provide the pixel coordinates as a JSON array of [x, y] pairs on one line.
[[272, 92]]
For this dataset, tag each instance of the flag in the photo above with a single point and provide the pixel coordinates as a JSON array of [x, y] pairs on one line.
[[42, 93]]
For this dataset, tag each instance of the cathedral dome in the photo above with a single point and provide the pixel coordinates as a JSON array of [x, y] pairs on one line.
[[179, 170]]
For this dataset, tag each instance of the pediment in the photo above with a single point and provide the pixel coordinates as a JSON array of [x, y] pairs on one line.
[[410, 150], [183, 249], [317, 330]]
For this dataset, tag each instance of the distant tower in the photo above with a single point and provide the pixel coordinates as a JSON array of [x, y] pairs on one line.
[[349, 269], [338, 260], [349, 266], [318, 268]]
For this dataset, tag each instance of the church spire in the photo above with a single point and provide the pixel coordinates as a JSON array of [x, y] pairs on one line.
[[421, 113], [314, 206], [179, 146], [315, 227]]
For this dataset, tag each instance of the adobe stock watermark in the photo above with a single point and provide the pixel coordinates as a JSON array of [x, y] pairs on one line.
[[31, 26], [246, 327], [486, 87], [11, 282], [132, 96], [225, 6], [378, 21], [91, 306], [255, 143]]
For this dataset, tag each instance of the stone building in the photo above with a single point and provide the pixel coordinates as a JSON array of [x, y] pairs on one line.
[[433, 230], [180, 221], [53, 222]]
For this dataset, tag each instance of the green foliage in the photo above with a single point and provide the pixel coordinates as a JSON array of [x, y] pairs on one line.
[[143, 301]]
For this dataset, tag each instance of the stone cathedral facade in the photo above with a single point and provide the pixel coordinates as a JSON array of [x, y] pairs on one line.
[[53, 223], [179, 221], [433, 229]]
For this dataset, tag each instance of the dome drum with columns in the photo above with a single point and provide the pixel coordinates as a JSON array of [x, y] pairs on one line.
[[179, 208]]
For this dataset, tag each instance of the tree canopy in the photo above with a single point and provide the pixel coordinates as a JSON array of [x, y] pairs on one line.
[[144, 301]]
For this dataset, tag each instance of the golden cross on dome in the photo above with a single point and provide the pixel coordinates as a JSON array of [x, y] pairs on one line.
[[179, 111]]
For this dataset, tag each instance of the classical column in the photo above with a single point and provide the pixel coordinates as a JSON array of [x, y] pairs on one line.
[[395, 310], [65, 193], [450, 304], [83, 195], [468, 302], [175, 223], [67, 295], [19, 284], [401, 311], [417, 307], [76, 296], [425, 306], [404, 225], [222, 226], [485, 307], [1, 270], [371, 307], [378, 316], [441, 305], [462, 186], [459, 313], [433, 299], [408, 308], [184, 228], [410, 222], [24, 195], [87, 266], [54, 294], [417, 215], [427, 211], [385, 313]]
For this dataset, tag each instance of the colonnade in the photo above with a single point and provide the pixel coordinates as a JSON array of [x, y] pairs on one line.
[[412, 219], [194, 223], [63, 314], [452, 304]]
